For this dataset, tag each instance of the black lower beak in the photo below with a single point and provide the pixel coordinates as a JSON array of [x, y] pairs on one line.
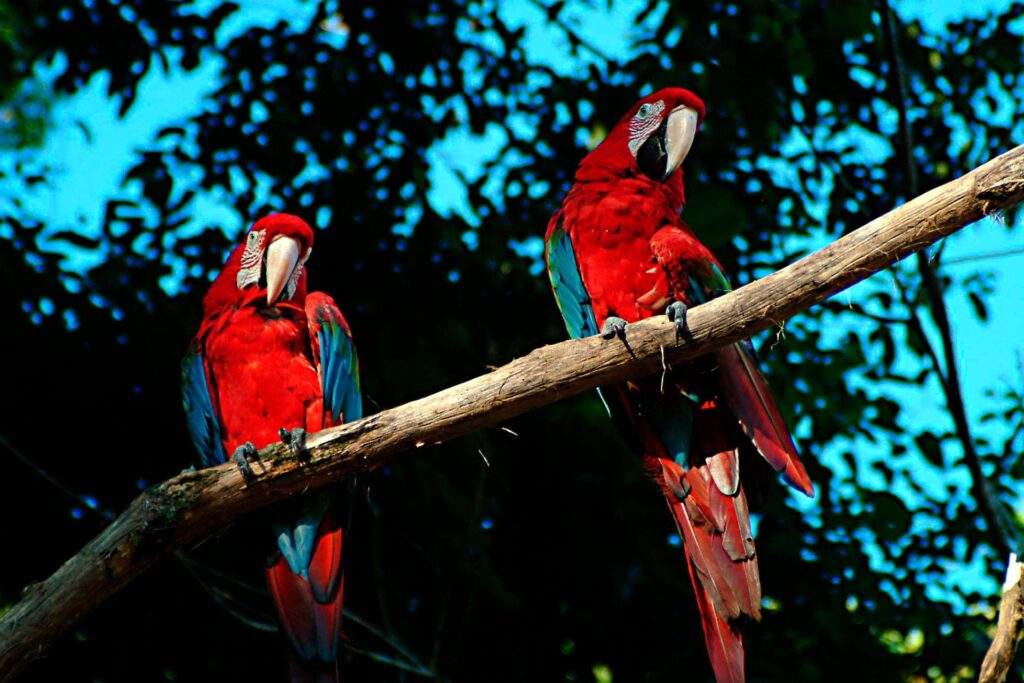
[[652, 156]]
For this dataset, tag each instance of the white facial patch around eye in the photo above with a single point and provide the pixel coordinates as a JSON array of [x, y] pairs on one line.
[[644, 122], [293, 281], [252, 259]]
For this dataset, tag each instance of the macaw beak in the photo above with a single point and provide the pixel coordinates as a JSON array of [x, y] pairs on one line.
[[680, 129], [282, 257]]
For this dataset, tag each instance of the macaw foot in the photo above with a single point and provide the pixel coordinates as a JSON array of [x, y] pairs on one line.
[[676, 312], [614, 327], [295, 440], [241, 457]]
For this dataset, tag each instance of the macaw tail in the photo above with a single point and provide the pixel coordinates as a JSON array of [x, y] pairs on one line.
[[309, 601], [710, 511], [719, 547]]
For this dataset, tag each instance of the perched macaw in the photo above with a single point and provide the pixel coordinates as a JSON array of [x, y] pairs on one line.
[[269, 362], [617, 252]]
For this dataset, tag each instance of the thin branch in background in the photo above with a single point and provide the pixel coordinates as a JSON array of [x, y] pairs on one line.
[[195, 569], [1009, 628], [837, 307], [379, 580], [900, 81], [86, 502], [1015, 251], [412, 662], [472, 529], [390, 661], [1004, 536], [212, 580], [916, 326], [1001, 532], [200, 572]]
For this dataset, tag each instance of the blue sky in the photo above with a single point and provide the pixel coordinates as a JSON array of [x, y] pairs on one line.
[[87, 135]]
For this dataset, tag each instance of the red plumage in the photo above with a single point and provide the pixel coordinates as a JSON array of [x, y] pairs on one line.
[[632, 256], [262, 360]]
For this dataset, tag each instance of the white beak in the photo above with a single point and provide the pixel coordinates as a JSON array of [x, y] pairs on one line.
[[282, 257], [680, 129]]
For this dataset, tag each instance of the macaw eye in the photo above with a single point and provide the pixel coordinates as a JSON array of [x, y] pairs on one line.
[[644, 111], [253, 237]]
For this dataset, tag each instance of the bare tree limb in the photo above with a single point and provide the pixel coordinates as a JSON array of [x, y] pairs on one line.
[[192, 505], [1009, 628]]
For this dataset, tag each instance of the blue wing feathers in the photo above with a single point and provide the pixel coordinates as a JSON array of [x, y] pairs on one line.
[[570, 292], [349, 392], [567, 283], [203, 423], [326, 356], [339, 366]]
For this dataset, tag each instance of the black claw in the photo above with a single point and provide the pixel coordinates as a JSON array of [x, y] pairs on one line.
[[614, 327], [295, 440], [676, 312], [241, 457]]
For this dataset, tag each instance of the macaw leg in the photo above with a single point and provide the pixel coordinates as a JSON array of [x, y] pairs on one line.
[[241, 457], [676, 312], [295, 440], [614, 327]]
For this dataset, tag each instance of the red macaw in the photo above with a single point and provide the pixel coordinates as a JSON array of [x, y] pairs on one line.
[[617, 252], [271, 361]]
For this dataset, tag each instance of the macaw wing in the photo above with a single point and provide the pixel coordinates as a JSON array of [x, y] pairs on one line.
[[570, 292], [751, 400], [203, 422], [334, 353], [710, 282], [567, 283], [747, 392]]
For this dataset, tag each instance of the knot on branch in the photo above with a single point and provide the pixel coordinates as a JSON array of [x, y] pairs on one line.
[[1000, 193], [161, 507]]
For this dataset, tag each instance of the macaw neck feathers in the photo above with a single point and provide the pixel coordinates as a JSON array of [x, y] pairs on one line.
[[598, 177]]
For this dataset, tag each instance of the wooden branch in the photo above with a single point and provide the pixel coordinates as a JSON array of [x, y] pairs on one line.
[[192, 505], [1009, 629]]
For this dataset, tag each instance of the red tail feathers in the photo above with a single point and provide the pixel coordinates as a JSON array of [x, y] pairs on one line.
[[722, 639], [310, 609], [715, 528]]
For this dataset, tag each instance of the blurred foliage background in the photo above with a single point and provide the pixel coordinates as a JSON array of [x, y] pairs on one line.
[[429, 142]]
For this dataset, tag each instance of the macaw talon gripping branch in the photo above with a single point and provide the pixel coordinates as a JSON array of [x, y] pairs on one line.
[[676, 313], [614, 327], [243, 456], [295, 440]]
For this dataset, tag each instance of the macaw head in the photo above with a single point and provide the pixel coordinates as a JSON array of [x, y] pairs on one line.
[[268, 267], [653, 137]]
